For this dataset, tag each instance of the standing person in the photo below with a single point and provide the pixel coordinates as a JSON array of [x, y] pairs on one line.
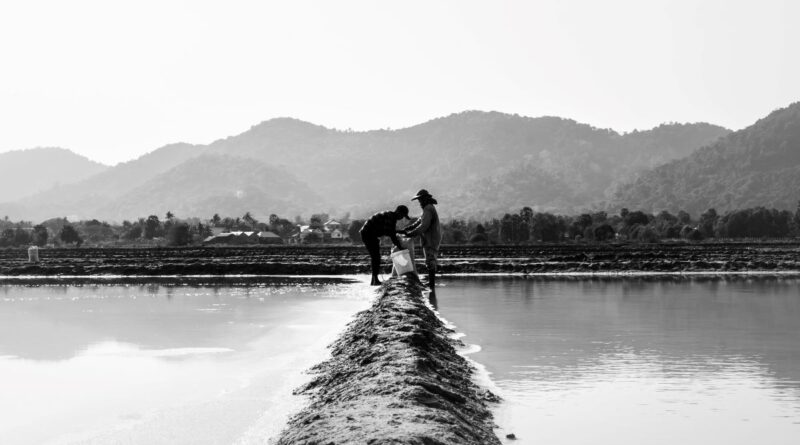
[[429, 229], [378, 225]]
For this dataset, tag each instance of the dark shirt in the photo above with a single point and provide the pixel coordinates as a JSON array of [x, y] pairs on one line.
[[381, 224]]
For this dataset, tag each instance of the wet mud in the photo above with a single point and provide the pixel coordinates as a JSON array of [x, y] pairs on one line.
[[394, 377], [345, 259]]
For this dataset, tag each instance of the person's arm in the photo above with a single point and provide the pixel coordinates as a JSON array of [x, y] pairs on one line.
[[393, 237], [411, 226], [422, 224]]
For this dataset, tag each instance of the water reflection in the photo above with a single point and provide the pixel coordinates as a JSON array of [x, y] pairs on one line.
[[166, 362], [433, 300], [57, 320], [676, 355]]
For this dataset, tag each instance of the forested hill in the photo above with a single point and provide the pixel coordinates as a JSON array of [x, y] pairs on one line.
[[236, 183], [756, 166], [26, 172], [477, 163]]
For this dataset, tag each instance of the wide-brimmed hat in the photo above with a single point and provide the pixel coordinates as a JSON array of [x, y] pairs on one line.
[[422, 194]]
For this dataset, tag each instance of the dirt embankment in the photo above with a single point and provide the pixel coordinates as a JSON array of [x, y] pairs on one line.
[[346, 259], [394, 378]]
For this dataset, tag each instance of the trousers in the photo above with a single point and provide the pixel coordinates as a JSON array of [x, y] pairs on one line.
[[431, 258], [373, 245]]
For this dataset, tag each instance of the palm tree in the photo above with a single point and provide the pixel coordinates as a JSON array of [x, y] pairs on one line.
[[249, 220]]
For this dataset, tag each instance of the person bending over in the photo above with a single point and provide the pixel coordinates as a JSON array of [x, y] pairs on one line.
[[378, 225], [429, 229]]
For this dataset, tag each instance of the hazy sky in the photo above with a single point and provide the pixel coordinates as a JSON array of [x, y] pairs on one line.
[[112, 80]]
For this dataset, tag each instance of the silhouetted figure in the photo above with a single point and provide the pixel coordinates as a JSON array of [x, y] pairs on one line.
[[429, 229], [378, 225]]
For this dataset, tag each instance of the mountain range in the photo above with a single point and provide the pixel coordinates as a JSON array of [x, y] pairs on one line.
[[478, 164], [756, 166], [26, 172]]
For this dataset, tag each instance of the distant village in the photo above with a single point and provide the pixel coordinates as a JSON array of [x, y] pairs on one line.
[[330, 232], [173, 231]]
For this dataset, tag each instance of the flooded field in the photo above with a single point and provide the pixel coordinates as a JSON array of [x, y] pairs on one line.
[[663, 360], [168, 362], [636, 360]]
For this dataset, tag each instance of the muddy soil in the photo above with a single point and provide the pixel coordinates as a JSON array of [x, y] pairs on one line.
[[394, 378], [343, 259]]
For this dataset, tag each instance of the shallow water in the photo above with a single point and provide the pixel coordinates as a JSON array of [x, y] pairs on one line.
[[636, 360], [169, 362]]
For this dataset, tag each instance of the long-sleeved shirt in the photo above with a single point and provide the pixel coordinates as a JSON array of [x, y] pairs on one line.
[[381, 224], [427, 227]]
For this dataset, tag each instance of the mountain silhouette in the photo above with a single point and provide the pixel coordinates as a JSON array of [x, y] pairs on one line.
[[210, 184], [478, 163], [26, 172], [469, 158], [756, 166]]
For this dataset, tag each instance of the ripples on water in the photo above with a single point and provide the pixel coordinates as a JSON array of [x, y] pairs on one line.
[[637, 360]]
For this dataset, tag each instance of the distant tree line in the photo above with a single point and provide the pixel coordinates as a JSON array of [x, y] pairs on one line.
[[527, 226], [151, 230], [61, 232], [524, 227]]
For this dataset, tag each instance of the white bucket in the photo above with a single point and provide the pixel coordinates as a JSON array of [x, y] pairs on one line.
[[33, 254], [402, 262]]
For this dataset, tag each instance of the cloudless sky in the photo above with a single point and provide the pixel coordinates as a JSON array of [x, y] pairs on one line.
[[112, 79]]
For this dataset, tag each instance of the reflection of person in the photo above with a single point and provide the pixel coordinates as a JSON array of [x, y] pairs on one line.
[[429, 229], [378, 225]]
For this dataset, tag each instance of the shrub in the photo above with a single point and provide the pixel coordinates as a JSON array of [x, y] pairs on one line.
[[178, 234], [69, 235], [478, 238], [604, 232]]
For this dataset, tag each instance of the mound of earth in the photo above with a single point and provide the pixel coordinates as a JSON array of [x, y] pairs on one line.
[[394, 378]]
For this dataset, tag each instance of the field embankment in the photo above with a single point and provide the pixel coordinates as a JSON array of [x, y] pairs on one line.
[[345, 259], [394, 377]]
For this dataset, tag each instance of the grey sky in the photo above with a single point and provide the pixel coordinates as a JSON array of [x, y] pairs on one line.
[[113, 80]]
